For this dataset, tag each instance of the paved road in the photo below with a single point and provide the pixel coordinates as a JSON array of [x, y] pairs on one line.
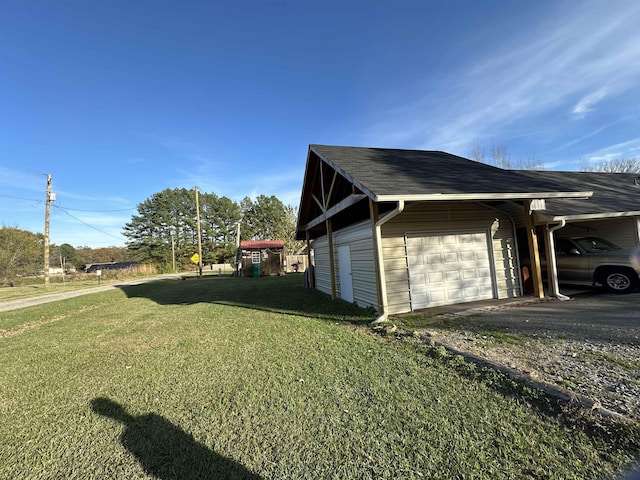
[[54, 297]]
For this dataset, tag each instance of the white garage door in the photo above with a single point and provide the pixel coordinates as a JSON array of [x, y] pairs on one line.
[[447, 269]]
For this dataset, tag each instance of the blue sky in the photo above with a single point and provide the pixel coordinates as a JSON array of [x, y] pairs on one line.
[[118, 100]]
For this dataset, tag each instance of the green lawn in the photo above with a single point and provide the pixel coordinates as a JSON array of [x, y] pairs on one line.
[[220, 377]]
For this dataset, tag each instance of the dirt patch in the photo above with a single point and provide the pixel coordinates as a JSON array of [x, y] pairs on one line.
[[39, 323]]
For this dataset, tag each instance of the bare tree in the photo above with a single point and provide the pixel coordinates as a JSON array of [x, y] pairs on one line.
[[619, 165], [477, 152], [499, 157]]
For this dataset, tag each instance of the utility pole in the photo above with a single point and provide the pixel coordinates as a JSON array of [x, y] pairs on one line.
[[173, 251], [62, 262], [199, 234], [237, 256], [47, 210]]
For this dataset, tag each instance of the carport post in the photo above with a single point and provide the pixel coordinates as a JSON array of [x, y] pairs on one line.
[[310, 273], [547, 249], [374, 214], [534, 254], [332, 265]]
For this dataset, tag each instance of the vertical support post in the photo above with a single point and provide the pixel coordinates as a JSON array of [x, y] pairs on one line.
[[173, 251], [548, 250], [237, 255], [374, 214], [61, 263], [332, 265], [199, 235], [310, 269], [47, 212], [534, 254]]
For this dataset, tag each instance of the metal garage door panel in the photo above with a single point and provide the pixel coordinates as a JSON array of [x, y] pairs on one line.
[[446, 269]]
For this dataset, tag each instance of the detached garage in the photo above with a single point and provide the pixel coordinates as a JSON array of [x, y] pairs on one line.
[[403, 230]]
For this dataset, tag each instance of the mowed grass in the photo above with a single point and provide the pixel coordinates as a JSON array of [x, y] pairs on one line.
[[260, 378]]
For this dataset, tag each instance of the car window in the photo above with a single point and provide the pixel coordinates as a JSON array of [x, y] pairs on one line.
[[563, 246], [596, 244]]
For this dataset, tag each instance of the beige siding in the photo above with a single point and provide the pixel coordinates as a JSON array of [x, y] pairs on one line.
[[437, 217], [516, 211], [434, 217], [363, 273], [322, 272], [622, 231]]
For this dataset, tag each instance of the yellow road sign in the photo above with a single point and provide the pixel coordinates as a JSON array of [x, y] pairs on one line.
[[195, 258]]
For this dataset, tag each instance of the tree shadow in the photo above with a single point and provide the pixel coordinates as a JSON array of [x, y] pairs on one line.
[[282, 295], [165, 451]]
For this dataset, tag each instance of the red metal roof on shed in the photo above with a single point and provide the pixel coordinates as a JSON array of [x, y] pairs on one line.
[[249, 244]]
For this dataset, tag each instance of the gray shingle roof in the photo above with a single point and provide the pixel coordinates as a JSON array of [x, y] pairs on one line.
[[384, 172], [612, 193]]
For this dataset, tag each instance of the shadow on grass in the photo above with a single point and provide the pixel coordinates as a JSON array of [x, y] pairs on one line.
[[282, 295], [165, 451]]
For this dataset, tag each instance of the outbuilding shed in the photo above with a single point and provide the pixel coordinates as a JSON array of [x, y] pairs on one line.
[[262, 258]]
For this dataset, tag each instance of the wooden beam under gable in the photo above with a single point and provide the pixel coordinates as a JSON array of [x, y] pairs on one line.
[[318, 202], [333, 182], [338, 207]]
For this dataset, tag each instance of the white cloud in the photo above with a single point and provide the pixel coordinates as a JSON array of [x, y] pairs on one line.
[[587, 52], [586, 103], [627, 149]]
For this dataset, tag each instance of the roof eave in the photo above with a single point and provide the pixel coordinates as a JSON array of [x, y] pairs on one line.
[[480, 196], [592, 216]]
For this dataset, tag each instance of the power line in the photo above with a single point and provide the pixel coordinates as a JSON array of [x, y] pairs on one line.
[[100, 211], [85, 223], [21, 198], [72, 209]]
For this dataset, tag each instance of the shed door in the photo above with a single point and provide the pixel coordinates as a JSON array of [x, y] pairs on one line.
[[448, 269], [344, 268]]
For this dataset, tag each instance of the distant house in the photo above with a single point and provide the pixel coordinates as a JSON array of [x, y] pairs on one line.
[[262, 258], [94, 267]]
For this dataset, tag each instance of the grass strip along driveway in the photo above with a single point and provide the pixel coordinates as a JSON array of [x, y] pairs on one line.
[[261, 378]]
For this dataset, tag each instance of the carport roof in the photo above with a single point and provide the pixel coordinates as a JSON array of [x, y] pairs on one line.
[[614, 194], [386, 174]]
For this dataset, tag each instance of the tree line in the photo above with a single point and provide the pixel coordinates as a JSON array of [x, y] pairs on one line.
[[22, 255], [165, 226]]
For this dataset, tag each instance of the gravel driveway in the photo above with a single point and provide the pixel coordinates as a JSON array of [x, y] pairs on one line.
[[589, 345]]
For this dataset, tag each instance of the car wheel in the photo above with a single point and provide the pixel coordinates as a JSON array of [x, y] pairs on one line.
[[619, 280]]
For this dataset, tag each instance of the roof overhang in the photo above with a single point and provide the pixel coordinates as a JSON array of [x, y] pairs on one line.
[[480, 196], [589, 216]]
